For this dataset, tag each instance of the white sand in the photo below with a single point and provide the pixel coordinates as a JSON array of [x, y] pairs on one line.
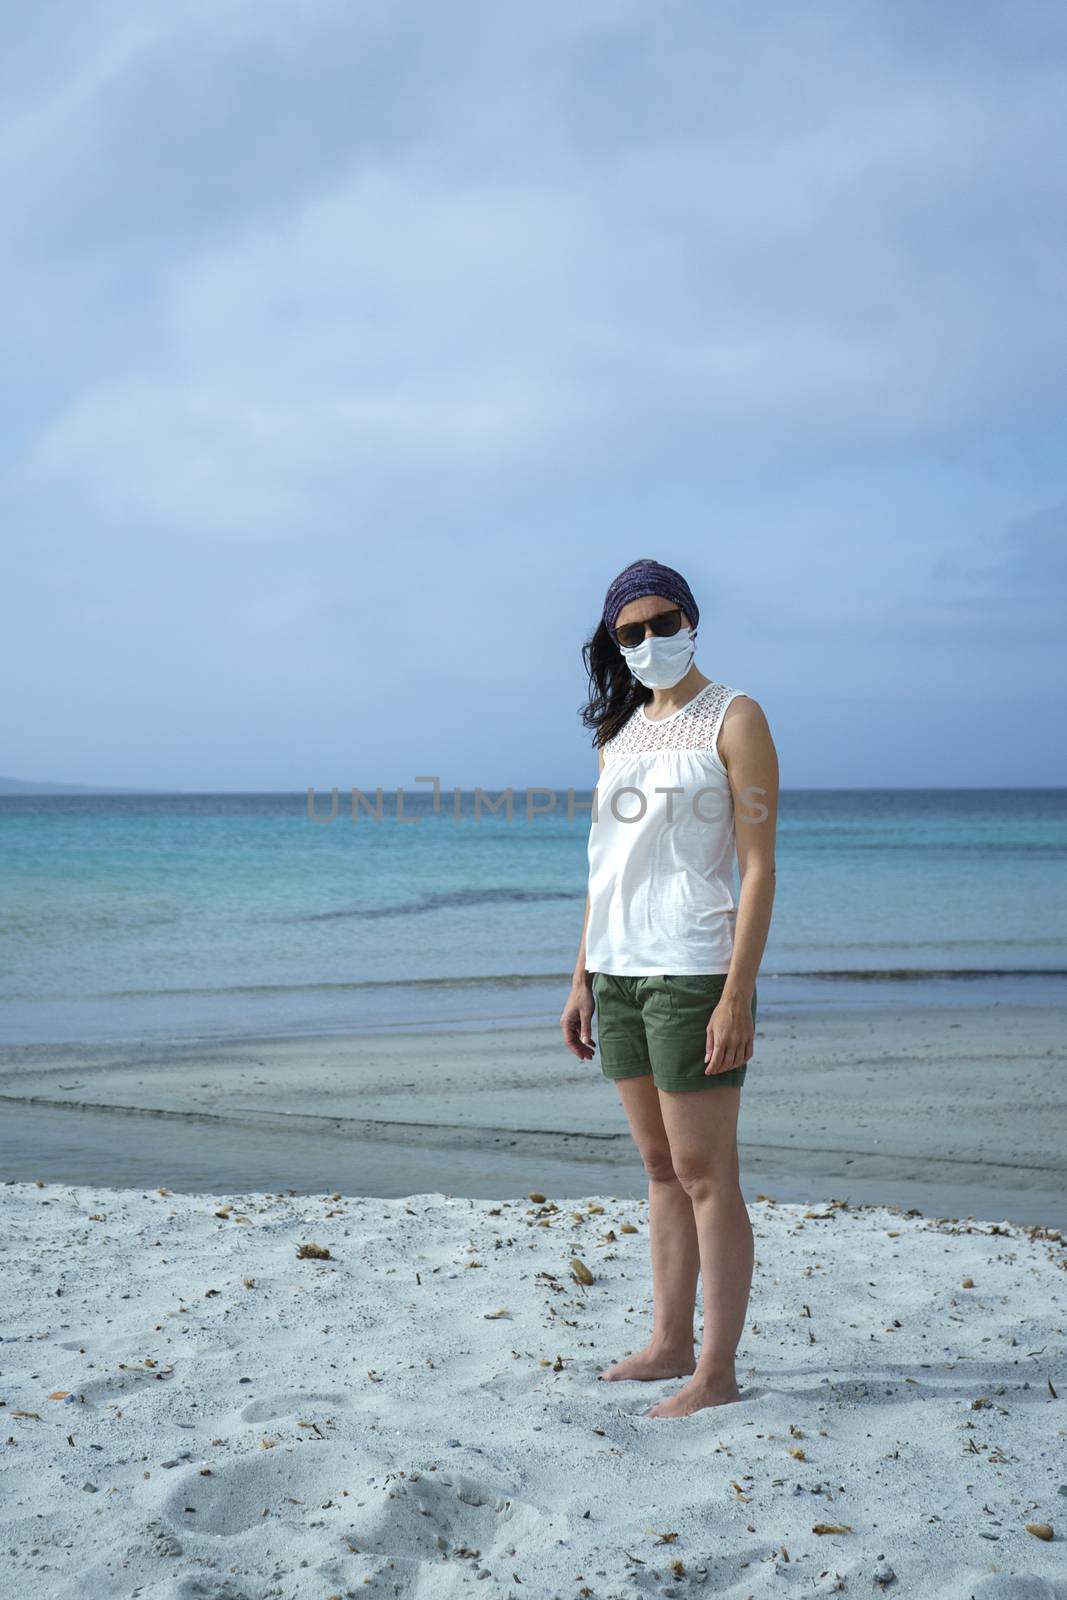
[[234, 1422]]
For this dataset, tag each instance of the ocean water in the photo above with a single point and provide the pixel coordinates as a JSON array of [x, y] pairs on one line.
[[151, 917]]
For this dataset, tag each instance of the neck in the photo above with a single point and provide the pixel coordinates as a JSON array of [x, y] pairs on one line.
[[665, 701]]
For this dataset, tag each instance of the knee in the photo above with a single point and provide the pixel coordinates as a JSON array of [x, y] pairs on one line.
[[659, 1164], [702, 1182]]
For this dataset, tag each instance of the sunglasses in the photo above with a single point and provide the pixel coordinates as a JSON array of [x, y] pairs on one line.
[[663, 625]]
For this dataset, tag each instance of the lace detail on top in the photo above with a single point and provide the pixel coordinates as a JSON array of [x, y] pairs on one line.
[[695, 727]]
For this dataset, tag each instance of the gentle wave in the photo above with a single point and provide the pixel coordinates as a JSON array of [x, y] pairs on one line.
[[907, 974], [1054, 941], [800, 845], [503, 980], [444, 901]]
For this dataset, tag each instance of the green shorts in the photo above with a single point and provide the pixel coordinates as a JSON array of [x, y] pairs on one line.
[[659, 1025]]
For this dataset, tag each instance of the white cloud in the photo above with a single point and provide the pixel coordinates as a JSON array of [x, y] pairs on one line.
[[597, 234]]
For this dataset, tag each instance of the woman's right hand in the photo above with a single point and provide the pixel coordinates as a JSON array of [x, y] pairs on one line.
[[577, 1020]]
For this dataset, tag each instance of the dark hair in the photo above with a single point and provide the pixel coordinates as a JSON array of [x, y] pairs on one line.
[[614, 693]]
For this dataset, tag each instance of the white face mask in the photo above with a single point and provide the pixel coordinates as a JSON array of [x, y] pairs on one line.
[[661, 663]]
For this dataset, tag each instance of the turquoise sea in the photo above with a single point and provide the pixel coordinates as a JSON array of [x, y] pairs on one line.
[[147, 917]]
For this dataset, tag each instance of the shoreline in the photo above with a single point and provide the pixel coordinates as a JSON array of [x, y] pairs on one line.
[[370, 1007], [963, 1109]]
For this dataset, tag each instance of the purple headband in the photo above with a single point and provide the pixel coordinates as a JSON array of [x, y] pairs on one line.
[[644, 578]]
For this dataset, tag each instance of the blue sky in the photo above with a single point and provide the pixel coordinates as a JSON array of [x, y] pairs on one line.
[[349, 351]]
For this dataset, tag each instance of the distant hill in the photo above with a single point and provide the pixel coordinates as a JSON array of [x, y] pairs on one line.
[[29, 786]]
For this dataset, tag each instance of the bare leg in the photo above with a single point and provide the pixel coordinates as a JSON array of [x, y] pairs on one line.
[[701, 1125], [673, 1242]]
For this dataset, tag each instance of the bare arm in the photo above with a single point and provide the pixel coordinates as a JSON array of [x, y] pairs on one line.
[[751, 761], [577, 1018]]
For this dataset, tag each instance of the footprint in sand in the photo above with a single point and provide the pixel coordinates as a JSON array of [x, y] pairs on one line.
[[193, 1586], [114, 1385], [452, 1523], [291, 1403], [1018, 1586], [233, 1498]]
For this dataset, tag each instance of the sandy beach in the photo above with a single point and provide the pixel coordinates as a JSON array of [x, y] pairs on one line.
[[300, 1388], [323, 1395]]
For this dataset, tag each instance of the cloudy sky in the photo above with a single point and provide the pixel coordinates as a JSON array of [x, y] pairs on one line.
[[351, 348]]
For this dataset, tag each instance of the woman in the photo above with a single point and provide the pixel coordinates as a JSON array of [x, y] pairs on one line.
[[668, 958]]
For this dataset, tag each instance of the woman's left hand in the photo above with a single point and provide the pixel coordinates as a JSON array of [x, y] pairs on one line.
[[731, 1035]]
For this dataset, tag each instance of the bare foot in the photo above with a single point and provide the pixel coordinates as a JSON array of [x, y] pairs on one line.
[[697, 1396], [648, 1364]]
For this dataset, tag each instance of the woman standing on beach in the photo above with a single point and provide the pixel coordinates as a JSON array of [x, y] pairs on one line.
[[668, 959]]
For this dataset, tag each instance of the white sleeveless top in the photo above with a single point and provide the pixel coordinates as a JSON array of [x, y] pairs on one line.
[[661, 865]]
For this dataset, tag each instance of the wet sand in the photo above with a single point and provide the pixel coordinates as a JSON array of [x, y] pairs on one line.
[[956, 1113]]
